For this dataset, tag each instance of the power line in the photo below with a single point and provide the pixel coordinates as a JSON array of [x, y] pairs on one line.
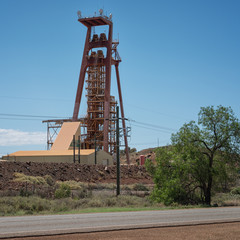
[[26, 115], [154, 129], [157, 112], [38, 99], [68, 100], [9, 116], [24, 119], [150, 143], [154, 126]]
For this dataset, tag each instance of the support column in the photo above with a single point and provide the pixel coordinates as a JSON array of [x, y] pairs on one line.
[[122, 113], [107, 91], [118, 157], [81, 76]]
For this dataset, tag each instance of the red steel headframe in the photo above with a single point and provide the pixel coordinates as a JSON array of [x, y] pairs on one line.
[[108, 62]]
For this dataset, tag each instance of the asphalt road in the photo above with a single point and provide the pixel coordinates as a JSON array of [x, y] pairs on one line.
[[76, 223]]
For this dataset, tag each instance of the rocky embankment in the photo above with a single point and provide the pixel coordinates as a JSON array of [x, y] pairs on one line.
[[65, 172]]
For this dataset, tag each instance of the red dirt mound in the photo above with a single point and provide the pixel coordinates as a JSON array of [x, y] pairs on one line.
[[71, 171]]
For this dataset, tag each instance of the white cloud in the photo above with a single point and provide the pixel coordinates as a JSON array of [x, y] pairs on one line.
[[11, 137]]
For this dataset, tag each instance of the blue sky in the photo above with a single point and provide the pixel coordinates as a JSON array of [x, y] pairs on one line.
[[177, 56]]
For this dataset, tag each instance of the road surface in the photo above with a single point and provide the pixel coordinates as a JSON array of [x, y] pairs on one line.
[[76, 223]]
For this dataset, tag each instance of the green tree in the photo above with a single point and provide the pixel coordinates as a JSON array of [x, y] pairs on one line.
[[149, 165], [202, 156]]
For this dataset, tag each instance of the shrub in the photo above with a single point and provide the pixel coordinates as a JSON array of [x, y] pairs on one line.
[[63, 191], [235, 191], [45, 192], [79, 203], [25, 193], [23, 205], [20, 177], [110, 186], [126, 187], [61, 205], [74, 185], [124, 201], [95, 202], [140, 187], [133, 150], [92, 186], [83, 193], [49, 180], [150, 167], [9, 193], [226, 199], [110, 201]]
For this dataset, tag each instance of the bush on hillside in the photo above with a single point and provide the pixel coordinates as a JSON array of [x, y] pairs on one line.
[[64, 191]]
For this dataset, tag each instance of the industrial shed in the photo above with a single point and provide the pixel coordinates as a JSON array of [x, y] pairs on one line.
[[62, 150], [87, 156]]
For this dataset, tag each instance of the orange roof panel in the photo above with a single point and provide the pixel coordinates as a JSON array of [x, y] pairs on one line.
[[65, 135], [51, 153]]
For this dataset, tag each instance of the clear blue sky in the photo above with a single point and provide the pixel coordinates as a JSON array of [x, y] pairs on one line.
[[176, 57]]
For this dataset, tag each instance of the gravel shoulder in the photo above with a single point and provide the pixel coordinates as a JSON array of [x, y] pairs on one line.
[[225, 231]]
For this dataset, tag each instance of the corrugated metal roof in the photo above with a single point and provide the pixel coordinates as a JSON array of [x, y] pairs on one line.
[[51, 153]]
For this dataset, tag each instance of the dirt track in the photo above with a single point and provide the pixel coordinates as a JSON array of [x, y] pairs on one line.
[[227, 231]]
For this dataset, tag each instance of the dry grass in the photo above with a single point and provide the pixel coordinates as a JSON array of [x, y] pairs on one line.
[[226, 199], [36, 205], [20, 177]]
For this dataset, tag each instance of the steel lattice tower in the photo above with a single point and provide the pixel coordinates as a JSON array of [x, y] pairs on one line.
[[96, 72]]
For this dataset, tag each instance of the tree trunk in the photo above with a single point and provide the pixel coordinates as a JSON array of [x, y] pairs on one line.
[[209, 185], [208, 195]]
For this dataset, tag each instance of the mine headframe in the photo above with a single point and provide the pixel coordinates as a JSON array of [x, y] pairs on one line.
[[99, 124]]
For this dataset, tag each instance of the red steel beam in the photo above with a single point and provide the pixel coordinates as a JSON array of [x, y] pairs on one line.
[[81, 76], [122, 113]]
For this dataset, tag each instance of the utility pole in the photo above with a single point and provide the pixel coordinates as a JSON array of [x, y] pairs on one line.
[[118, 157], [74, 149], [79, 146], [95, 147]]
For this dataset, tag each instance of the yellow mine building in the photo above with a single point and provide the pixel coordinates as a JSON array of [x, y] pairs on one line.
[[62, 150]]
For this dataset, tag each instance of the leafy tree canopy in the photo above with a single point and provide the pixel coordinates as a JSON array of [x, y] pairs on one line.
[[203, 157]]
